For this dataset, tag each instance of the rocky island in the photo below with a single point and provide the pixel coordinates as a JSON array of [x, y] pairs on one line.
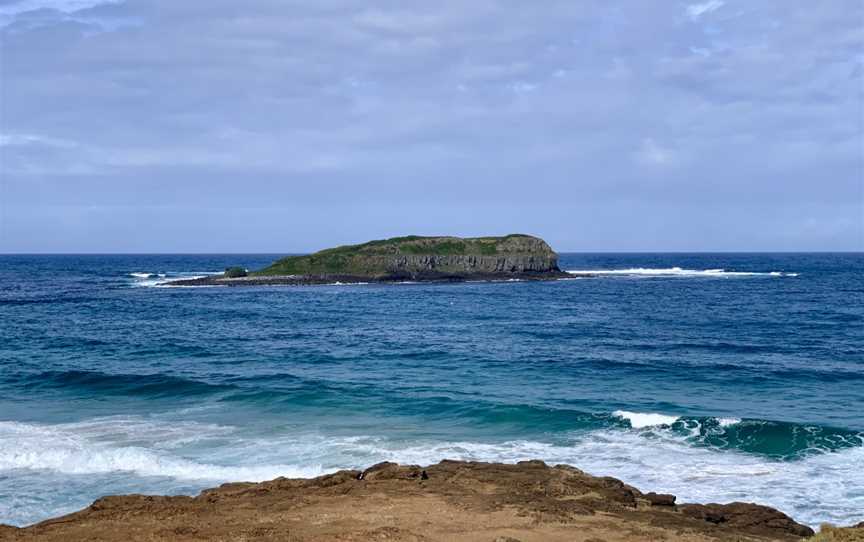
[[452, 501], [411, 258]]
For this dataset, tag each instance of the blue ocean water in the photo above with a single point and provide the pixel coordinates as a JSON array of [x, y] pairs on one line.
[[716, 377]]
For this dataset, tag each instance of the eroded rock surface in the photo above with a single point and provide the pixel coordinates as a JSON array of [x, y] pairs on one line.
[[453, 501]]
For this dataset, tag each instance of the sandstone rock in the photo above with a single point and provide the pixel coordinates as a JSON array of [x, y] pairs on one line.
[[660, 499], [748, 517], [390, 471], [460, 501]]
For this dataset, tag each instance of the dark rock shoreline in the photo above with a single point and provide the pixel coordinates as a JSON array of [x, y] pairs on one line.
[[393, 278]]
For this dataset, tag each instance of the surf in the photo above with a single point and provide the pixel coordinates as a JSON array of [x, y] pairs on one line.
[[677, 272], [206, 453]]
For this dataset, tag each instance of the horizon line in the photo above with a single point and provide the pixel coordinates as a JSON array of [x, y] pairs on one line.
[[861, 251]]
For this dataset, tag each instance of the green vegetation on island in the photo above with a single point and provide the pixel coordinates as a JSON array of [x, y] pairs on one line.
[[409, 258], [429, 256]]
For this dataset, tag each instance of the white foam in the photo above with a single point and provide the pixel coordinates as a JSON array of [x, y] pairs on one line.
[[726, 422], [676, 272], [151, 280], [638, 420], [70, 449], [819, 488]]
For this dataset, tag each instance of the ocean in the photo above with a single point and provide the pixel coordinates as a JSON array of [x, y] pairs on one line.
[[715, 377]]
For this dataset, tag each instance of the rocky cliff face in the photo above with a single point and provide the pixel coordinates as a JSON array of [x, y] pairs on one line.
[[514, 263], [513, 255]]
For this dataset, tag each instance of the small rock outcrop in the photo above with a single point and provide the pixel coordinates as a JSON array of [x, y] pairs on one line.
[[660, 499], [749, 517], [235, 272]]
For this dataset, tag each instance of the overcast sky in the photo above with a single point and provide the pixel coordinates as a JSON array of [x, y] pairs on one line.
[[283, 126]]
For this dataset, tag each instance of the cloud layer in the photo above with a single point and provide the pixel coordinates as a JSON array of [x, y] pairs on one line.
[[152, 125]]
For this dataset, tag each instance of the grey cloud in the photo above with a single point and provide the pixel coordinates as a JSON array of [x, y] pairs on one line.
[[696, 11], [567, 118], [25, 15]]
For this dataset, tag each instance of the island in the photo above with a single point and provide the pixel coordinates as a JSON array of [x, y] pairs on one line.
[[412, 258]]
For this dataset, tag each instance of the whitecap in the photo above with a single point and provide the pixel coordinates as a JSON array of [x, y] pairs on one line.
[[726, 422], [819, 488], [156, 280], [675, 272], [76, 449], [639, 420]]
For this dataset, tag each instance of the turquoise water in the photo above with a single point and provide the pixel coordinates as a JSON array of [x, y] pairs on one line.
[[716, 377]]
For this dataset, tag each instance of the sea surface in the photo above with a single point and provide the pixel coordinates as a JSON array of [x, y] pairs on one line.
[[716, 377]]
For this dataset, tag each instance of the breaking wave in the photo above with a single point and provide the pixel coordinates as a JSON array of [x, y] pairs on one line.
[[676, 272], [203, 454], [76, 449], [147, 279], [775, 439]]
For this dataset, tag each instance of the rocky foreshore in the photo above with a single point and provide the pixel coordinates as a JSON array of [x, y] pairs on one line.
[[452, 501]]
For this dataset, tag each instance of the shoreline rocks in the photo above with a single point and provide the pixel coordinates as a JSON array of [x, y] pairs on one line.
[[312, 280], [451, 500]]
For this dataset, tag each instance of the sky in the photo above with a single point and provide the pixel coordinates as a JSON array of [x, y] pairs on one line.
[[286, 126]]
